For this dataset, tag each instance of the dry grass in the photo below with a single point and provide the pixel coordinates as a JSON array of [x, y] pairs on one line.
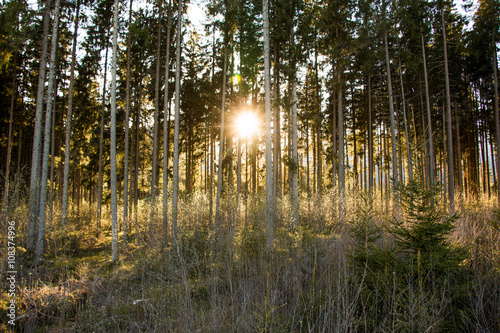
[[230, 282]]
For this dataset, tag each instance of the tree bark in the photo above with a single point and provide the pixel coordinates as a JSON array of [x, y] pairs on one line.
[[9, 141], [154, 157], [395, 175], [175, 180], [341, 167], [497, 117], [451, 173], [370, 139], [114, 192], [429, 119], [47, 132], [221, 144], [101, 144], [69, 115], [37, 136], [269, 220], [166, 116], [127, 132]]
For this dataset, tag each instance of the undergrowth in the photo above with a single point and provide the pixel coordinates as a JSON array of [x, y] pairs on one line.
[[412, 270]]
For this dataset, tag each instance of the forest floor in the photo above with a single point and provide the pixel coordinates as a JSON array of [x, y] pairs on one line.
[[321, 276]]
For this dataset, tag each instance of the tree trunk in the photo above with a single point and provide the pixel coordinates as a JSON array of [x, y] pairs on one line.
[[269, 163], [429, 118], [9, 141], [370, 139], [69, 115], [47, 132], [294, 165], [497, 117], [395, 175], [127, 134], [101, 144], [451, 173], [341, 167], [175, 180], [166, 119], [37, 136], [221, 144], [154, 157], [407, 132], [114, 191]]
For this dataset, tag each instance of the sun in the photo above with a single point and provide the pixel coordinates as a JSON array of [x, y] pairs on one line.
[[247, 124]]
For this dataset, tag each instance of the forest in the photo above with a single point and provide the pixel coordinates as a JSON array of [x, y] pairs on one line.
[[249, 166]]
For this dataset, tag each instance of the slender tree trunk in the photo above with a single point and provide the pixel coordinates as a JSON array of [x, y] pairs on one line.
[[459, 155], [395, 175], [52, 153], [175, 180], [294, 186], [429, 118], [69, 115], [137, 155], [497, 117], [127, 132], [277, 136], [407, 132], [37, 136], [114, 191], [451, 173], [341, 167], [166, 116], [101, 144], [238, 167], [269, 163], [154, 157], [13, 94], [47, 132], [370, 139], [221, 144]]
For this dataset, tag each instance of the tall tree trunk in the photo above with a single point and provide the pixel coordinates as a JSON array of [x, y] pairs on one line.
[[52, 152], [221, 143], [370, 138], [429, 118], [166, 119], [154, 157], [13, 94], [407, 132], [459, 155], [69, 115], [497, 117], [175, 181], [277, 135], [101, 144], [37, 136], [267, 102], [395, 175], [114, 191], [294, 167], [451, 173], [341, 167], [127, 134], [47, 132]]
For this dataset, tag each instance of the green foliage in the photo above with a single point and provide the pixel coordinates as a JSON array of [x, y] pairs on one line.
[[422, 232]]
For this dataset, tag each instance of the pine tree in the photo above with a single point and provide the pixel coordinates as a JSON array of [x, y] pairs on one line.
[[114, 191], [37, 136], [47, 134], [69, 115]]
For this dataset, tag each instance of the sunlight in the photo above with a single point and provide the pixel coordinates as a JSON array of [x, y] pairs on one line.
[[247, 124]]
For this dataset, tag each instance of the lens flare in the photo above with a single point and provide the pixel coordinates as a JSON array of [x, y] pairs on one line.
[[247, 124]]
